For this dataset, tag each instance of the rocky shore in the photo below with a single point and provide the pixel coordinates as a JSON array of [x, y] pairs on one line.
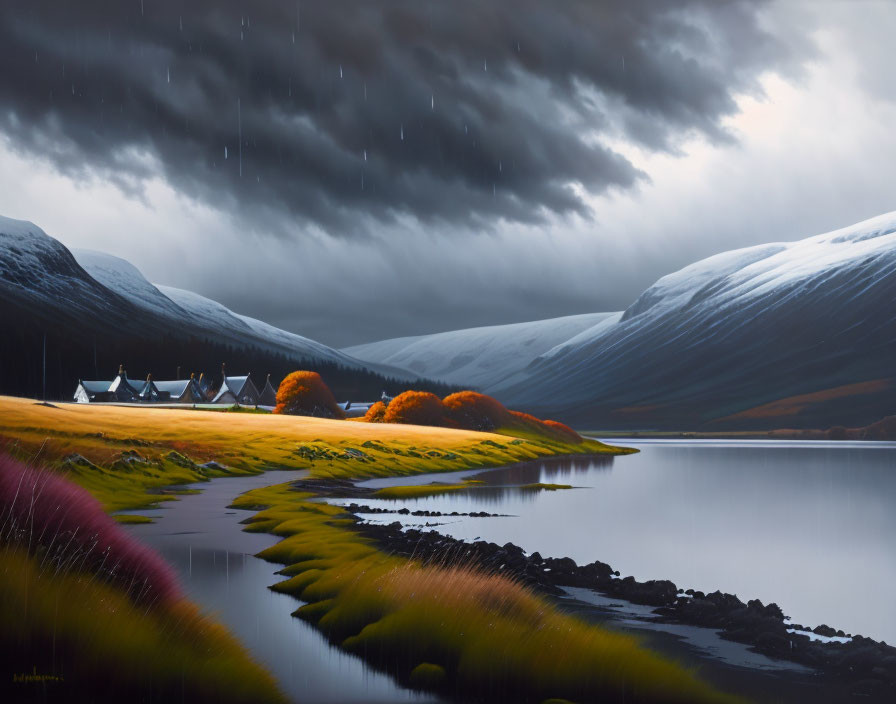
[[867, 665]]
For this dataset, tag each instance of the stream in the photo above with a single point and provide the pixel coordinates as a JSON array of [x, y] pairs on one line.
[[214, 557]]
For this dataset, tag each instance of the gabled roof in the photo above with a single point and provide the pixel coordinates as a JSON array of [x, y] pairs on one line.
[[95, 387], [268, 396], [175, 388], [233, 384], [121, 385], [149, 392]]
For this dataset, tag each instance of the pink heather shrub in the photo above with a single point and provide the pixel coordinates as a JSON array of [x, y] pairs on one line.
[[66, 529]]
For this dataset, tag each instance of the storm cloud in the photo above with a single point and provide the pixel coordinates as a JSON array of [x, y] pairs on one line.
[[347, 116]]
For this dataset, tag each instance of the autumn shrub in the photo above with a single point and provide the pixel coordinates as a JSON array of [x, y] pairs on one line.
[[48, 516], [567, 433], [416, 408], [475, 411], [305, 394], [375, 413]]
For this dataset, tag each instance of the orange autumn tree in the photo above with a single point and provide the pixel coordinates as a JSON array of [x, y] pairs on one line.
[[375, 413], [475, 411], [469, 410], [305, 394], [415, 408]]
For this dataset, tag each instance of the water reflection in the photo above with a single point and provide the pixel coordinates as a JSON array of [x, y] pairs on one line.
[[807, 525], [214, 558]]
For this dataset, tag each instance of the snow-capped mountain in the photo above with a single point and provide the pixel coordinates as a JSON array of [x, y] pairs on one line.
[[477, 357], [201, 316], [783, 334], [122, 277], [37, 273], [80, 315]]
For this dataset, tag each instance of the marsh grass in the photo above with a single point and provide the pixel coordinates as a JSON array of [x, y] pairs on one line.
[[84, 603], [540, 486], [494, 639], [418, 491], [106, 648], [130, 519]]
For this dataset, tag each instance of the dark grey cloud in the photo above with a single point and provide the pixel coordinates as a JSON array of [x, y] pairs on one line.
[[347, 115]]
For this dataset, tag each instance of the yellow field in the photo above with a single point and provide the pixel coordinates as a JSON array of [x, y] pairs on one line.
[[243, 443]]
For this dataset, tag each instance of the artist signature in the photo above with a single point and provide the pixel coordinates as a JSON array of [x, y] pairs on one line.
[[34, 676]]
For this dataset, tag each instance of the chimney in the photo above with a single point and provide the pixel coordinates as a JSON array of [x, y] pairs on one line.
[[192, 376], [149, 377], [120, 369], [178, 374]]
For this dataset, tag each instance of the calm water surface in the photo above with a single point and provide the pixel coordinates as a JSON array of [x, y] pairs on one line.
[[204, 540], [808, 525]]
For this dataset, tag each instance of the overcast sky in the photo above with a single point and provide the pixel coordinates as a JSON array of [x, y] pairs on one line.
[[353, 171]]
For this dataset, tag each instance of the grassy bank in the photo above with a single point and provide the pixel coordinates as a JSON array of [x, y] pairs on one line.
[[125, 455], [479, 636]]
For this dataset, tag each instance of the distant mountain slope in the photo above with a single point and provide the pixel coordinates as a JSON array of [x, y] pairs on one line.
[[93, 311], [477, 357], [122, 277], [39, 277], [736, 332], [199, 315]]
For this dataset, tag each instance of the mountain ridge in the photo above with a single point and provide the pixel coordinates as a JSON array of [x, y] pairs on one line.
[[736, 331], [71, 315]]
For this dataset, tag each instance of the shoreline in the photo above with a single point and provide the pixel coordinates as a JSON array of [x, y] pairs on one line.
[[859, 665], [782, 434], [861, 662]]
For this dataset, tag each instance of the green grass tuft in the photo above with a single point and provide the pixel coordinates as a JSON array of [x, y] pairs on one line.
[[427, 676], [131, 519], [545, 487]]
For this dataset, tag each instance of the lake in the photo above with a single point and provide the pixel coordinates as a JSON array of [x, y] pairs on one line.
[[808, 525]]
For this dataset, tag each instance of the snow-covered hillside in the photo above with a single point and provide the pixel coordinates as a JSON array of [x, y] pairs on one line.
[[40, 276], [191, 313], [733, 332], [477, 357], [125, 279]]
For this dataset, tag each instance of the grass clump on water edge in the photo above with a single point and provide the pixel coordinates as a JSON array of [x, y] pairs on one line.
[[493, 638], [540, 486], [419, 491]]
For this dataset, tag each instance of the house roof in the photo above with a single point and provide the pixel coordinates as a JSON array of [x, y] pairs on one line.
[[123, 379], [175, 388], [268, 396], [233, 384], [95, 387], [149, 389]]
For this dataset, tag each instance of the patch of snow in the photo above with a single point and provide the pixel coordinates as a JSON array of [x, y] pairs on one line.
[[821, 639]]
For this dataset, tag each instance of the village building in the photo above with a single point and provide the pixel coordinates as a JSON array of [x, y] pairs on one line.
[[233, 390], [268, 395], [93, 391], [236, 389], [123, 389], [182, 391], [150, 392]]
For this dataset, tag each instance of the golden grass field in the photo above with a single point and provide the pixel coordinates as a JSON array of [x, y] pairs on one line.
[[244, 443]]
